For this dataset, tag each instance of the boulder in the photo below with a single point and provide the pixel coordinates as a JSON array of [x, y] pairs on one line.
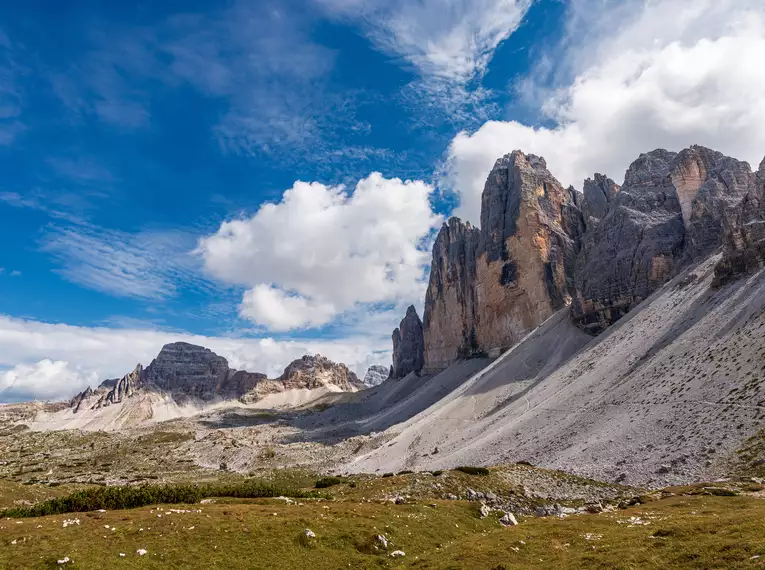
[[508, 520]]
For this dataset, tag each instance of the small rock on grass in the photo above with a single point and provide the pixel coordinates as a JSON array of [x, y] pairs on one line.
[[382, 540], [397, 554], [140, 551], [485, 511], [309, 533], [64, 560], [508, 520]]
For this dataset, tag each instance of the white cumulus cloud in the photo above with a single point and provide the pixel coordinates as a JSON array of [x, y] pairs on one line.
[[41, 360], [321, 251], [664, 73], [46, 379]]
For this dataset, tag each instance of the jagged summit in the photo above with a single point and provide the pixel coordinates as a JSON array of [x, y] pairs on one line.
[[542, 247], [491, 286], [191, 373], [408, 345]]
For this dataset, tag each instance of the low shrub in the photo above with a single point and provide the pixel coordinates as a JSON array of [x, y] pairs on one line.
[[131, 497], [405, 472], [387, 475], [437, 473], [325, 482], [473, 470]]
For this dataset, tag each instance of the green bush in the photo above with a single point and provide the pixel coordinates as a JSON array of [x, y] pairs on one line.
[[437, 473], [325, 482], [127, 497], [387, 474], [405, 472], [473, 470]]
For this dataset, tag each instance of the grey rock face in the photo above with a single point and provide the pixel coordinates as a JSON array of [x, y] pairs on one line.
[[711, 187], [450, 303], [184, 368], [125, 386], [599, 191], [670, 210], [376, 375], [408, 345], [188, 371], [489, 287], [318, 371], [744, 235], [110, 391]]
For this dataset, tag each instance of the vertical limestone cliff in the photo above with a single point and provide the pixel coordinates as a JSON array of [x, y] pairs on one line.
[[744, 235], [449, 316], [671, 209], [490, 287], [408, 347], [541, 247]]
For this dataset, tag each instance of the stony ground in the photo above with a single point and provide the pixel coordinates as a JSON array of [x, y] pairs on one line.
[[701, 527]]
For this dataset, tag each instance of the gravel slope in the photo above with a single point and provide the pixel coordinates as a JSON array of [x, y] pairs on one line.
[[660, 398]]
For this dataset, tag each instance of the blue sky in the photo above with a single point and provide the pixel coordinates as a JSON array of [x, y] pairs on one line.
[[140, 146]]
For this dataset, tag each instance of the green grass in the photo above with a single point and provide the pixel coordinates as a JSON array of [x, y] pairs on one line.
[[682, 532], [126, 497]]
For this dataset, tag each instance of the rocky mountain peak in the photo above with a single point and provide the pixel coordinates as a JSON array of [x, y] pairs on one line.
[[490, 287], [408, 345], [188, 369], [376, 375], [671, 209], [184, 371], [599, 191], [316, 371]]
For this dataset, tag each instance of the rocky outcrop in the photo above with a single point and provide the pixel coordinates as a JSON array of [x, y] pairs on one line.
[[319, 372], [376, 375], [450, 302], [408, 345], [670, 210], [188, 369], [488, 288], [744, 235], [710, 187], [110, 391], [599, 191]]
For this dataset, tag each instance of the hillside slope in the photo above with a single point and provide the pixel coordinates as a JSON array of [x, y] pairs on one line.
[[661, 397]]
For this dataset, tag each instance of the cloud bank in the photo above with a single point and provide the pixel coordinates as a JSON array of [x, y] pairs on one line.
[[666, 73]]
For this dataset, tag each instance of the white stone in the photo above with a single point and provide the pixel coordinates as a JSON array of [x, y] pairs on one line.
[[508, 520]]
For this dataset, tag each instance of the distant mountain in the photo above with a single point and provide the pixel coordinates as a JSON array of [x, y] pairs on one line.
[[376, 375], [194, 374]]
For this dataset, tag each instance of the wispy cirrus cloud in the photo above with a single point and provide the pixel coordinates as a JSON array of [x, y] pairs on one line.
[[11, 93], [150, 265], [448, 44], [257, 59]]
